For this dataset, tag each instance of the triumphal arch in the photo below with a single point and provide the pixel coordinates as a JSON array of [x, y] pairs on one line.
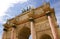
[[40, 23]]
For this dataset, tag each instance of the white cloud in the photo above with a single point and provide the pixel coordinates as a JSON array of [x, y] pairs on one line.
[[1, 20], [1, 33], [5, 4], [0, 37]]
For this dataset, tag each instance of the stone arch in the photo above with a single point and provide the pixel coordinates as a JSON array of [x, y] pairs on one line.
[[45, 36], [24, 33]]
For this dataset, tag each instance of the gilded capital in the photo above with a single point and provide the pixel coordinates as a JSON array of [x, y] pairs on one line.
[[48, 13], [4, 29], [14, 26], [31, 19]]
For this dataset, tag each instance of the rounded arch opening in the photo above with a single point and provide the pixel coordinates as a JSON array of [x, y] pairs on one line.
[[30, 37], [24, 33], [45, 36]]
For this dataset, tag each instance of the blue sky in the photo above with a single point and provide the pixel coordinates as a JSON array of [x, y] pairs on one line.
[[11, 8]]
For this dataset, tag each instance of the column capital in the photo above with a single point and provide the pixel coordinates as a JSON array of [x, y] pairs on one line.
[[48, 13], [5, 29], [14, 26], [31, 19]]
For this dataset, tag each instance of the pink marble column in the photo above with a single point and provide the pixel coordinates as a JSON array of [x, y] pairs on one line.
[[33, 32], [53, 27], [12, 32], [4, 34]]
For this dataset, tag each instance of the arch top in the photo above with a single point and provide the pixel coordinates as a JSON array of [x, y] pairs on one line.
[[45, 36], [24, 33]]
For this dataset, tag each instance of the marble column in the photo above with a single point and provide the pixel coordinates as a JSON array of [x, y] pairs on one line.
[[12, 32], [4, 34], [33, 32], [52, 26]]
